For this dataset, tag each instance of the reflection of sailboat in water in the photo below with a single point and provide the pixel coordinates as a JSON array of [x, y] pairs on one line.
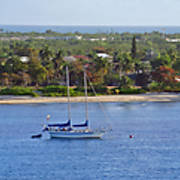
[[69, 130]]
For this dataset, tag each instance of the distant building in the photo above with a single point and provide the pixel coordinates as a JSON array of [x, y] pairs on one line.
[[177, 78], [172, 40], [69, 58], [39, 37], [104, 55], [24, 59], [95, 39], [65, 38], [81, 57], [78, 37]]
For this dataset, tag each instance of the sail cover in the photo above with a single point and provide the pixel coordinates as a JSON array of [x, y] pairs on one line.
[[60, 124], [81, 125]]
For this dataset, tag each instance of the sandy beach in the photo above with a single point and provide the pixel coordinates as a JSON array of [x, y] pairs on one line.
[[163, 97]]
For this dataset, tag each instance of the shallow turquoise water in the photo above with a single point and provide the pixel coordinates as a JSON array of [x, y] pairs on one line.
[[152, 153]]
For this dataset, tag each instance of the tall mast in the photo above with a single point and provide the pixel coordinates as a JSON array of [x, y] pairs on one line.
[[67, 83], [86, 100]]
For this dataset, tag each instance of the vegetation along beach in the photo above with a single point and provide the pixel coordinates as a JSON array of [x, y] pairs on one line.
[[117, 64]]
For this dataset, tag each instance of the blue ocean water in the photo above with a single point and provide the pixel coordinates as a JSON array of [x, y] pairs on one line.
[[92, 29], [152, 153]]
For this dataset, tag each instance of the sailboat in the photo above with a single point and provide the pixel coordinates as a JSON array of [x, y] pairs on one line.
[[73, 131]]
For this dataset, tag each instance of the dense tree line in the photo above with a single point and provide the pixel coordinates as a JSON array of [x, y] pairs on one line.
[[146, 60]]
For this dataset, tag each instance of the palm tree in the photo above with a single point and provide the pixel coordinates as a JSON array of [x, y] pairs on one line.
[[58, 64], [124, 64]]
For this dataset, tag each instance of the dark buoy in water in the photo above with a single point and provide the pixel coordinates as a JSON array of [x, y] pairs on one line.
[[36, 136], [130, 136]]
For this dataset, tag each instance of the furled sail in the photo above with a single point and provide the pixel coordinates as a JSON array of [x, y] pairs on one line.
[[60, 125], [81, 125]]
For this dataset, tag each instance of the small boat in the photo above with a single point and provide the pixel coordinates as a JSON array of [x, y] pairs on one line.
[[36, 136], [69, 130]]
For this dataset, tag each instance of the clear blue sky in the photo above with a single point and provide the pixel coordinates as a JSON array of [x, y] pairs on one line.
[[90, 12]]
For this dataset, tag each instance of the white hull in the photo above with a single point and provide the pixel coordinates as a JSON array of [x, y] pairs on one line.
[[75, 135]]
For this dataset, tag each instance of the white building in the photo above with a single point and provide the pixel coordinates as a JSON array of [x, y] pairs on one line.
[[104, 55], [24, 59]]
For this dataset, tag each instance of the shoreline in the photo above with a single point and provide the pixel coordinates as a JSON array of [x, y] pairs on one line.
[[165, 97]]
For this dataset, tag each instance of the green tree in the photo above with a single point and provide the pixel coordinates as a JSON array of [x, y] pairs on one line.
[[126, 82], [133, 49], [37, 72], [59, 64], [14, 65], [161, 60], [46, 55], [125, 64]]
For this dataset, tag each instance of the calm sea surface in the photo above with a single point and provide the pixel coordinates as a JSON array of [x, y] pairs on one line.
[[153, 153], [92, 29]]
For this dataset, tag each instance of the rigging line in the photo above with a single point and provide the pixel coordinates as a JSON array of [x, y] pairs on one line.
[[100, 104]]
